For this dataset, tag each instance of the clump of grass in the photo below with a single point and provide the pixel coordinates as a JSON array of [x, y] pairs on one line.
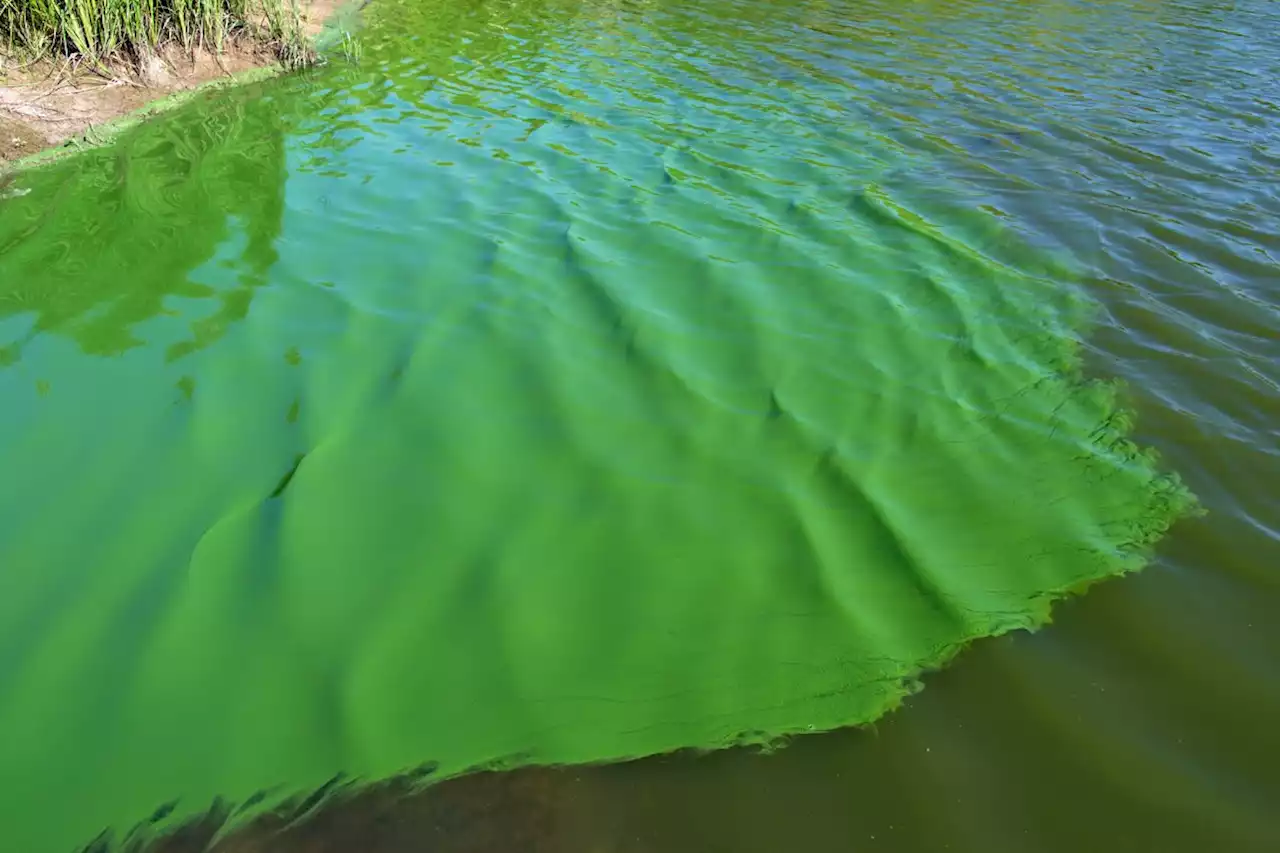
[[281, 21], [100, 30]]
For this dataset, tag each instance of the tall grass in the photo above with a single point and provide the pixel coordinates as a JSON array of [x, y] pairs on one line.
[[97, 30]]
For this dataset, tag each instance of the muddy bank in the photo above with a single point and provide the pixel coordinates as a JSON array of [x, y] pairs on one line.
[[48, 104], [18, 140]]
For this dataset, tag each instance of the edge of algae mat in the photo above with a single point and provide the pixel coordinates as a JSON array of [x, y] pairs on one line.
[[340, 23], [1168, 501], [276, 811]]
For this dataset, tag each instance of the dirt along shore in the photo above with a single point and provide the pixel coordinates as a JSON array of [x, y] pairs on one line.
[[49, 103]]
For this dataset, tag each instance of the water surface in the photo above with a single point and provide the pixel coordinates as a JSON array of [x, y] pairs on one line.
[[567, 383]]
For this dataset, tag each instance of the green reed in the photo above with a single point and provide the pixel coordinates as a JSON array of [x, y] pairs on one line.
[[100, 29]]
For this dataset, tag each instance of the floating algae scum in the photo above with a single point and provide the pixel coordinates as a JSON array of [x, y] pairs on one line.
[[492, 401]]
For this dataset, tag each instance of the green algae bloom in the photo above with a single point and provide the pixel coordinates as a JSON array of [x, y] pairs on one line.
[[489, 404]]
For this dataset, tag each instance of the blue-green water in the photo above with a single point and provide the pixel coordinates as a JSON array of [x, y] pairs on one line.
[[562, 383]]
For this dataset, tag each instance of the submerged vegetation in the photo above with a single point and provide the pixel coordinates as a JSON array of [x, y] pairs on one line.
[[101, 30]]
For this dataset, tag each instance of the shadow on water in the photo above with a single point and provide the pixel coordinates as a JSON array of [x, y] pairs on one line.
[[100, 243]]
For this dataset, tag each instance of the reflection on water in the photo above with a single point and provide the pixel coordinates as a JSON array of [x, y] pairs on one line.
[[117, 237], [526, 390]]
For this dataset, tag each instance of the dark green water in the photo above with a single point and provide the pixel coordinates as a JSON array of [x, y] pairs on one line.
[[561, 382]]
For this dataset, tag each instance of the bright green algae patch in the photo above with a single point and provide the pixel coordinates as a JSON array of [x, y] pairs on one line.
[[491, 402]]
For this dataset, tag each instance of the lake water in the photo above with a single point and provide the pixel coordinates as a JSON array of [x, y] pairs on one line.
[[656, 391]]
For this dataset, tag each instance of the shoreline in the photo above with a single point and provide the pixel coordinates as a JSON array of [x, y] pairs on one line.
[[50, 110]]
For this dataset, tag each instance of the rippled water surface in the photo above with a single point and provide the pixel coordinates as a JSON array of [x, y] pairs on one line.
[[548, 383]]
